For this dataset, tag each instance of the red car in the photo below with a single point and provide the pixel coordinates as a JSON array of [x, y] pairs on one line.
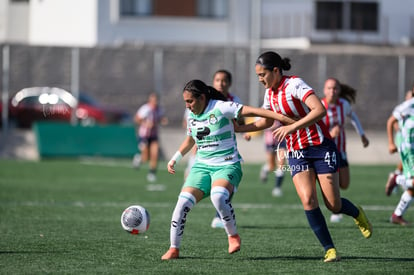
[[51, 103]]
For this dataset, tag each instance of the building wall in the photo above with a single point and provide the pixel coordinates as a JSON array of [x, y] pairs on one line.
[[173, 30], [63, 22], [89, 23], [124, 76], [14, 22]]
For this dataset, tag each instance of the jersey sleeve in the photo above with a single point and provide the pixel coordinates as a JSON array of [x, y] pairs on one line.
[[143, 111], [354, 118], [403, 110], [229, 109], [266, 101], [300, 89]]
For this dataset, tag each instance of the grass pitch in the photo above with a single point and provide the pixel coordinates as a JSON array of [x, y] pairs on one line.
[[64, 217]]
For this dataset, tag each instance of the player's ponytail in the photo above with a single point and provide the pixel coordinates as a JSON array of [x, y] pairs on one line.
[[347, 92], [270, 60]]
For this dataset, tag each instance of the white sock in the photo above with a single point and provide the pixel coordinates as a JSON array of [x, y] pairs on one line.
[[403, 204], [220, 197], [279, 173], [185, 202], [404, 182]]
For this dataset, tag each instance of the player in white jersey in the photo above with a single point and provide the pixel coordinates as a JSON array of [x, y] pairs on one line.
[[404, 115], [149, 117], [217, 170], [337, 102]]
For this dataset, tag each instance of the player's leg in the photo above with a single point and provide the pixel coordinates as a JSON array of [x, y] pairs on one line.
[[225, 182], [280, 162], [326, 166], [305, 184], [406, 182], [196, 187], [402, 206], [153, 159], [267, 166]]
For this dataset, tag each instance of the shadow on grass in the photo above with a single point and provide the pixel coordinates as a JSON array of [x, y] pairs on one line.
[[388, 259], [305, 258]]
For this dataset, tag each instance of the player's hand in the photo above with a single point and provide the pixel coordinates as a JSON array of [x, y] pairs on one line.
[[365, 141], [280, 133], [392, 148], [247, 137], [335, 131], [170, 167]]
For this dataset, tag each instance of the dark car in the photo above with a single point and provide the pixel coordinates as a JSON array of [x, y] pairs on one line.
[[51, 103]]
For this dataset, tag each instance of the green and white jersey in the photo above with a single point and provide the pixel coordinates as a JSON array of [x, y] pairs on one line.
[[213, 132], [404, 113]]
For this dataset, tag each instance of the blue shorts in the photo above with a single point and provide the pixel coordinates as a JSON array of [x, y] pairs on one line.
[[323, 159]]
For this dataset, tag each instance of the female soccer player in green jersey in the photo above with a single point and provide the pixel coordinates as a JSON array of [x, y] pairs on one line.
[[217, 171]]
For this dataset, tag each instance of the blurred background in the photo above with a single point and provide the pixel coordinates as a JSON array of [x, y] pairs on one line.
[[116, 52]]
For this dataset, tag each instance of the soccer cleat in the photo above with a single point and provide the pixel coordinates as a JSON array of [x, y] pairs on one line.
[[398, 220], [363, 223], [172, 253], [391, 183], [136, 161], [330, 256], [151, 177], [234, 243], [277, 192], [336, 218], [217, 223]]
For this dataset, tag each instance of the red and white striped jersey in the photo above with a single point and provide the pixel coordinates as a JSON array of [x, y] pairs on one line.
[[289, 100], [336, 115]]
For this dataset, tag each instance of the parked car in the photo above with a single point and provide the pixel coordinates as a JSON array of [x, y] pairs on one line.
[[51, 103]]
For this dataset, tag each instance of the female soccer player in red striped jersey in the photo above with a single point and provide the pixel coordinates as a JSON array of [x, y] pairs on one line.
[[312, 154], [337, 102]]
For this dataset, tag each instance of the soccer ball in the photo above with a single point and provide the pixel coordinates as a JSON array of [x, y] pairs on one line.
[[135, 219]]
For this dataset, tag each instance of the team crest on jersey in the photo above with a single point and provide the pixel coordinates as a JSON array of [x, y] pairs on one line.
[[212, 119]]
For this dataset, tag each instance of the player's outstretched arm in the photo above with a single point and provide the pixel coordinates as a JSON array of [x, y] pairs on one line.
[[247, 111], [390, 133], [185, 146]]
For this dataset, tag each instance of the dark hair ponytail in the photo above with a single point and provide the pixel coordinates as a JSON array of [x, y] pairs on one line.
[[348, 93], [345, 91], [270, 60], [198, 88]]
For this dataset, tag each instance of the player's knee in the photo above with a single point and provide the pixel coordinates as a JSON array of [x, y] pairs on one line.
[[219, 196]]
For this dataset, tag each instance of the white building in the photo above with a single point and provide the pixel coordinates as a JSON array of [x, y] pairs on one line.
[[294, 23]]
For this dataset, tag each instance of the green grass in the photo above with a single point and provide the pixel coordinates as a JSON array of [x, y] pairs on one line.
[[64, 217]]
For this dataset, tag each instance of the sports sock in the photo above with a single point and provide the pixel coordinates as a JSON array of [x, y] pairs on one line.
[[279, 177], [185, 202], [217, 213], [220, 198], [403, 204], [404, 182], [348, 208], [318, 224]]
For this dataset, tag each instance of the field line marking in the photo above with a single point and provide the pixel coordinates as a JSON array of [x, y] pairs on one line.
[[171, 205]]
